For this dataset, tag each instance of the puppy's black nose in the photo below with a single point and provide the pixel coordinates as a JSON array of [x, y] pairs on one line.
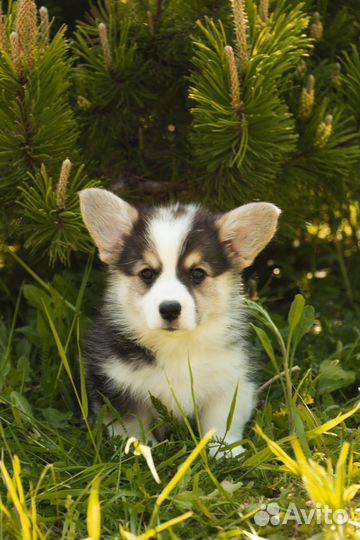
[[170, 310]]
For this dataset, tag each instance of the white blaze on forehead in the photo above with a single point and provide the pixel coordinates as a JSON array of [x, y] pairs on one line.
[[167, 232]]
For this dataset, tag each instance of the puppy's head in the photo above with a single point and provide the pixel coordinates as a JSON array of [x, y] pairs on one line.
[[173, 268]]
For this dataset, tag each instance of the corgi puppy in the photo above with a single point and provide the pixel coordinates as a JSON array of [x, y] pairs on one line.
[[172, 323]]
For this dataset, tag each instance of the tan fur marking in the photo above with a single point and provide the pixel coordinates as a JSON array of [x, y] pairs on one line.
[[193, 259], [151, 259]]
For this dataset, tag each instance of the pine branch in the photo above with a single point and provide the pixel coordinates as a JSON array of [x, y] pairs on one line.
[[227, 147], [51, 221], [111, 83], [34, 101], [349, 81]]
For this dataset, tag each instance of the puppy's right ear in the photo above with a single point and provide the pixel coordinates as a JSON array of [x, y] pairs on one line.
[[108, 219]]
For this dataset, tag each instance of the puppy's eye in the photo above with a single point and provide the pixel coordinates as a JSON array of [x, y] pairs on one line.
[[197, 275], [147, 275]]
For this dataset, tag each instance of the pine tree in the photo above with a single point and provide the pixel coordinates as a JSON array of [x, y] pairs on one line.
[[38, 131], [36, 125], [289, 136], [110, 79], [133, 60]]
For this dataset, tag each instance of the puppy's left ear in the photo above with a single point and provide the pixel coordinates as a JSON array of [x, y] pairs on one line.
[[247, 229]]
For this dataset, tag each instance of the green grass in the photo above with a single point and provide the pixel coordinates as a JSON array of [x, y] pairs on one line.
[[301, 447]]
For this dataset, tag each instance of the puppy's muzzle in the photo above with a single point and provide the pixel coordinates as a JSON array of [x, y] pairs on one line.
[[170, 310]]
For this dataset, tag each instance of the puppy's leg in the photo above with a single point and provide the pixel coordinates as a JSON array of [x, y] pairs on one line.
[[215, 412]]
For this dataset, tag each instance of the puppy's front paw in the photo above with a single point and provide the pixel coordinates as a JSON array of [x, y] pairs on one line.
[[219, 450]]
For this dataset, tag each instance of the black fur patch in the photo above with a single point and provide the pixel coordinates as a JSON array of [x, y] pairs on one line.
[[178, 211], [104, 341], [99, 387], [134, 245], [203, 237]]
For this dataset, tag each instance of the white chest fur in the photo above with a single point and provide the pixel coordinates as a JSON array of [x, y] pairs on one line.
[[215, 371]]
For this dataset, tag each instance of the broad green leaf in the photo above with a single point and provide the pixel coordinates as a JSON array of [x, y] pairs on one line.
[[265, 342], [35, 295], [295, 313], [332, 376], [305, 324], [57, 419], [23, 366], [21, 404]]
